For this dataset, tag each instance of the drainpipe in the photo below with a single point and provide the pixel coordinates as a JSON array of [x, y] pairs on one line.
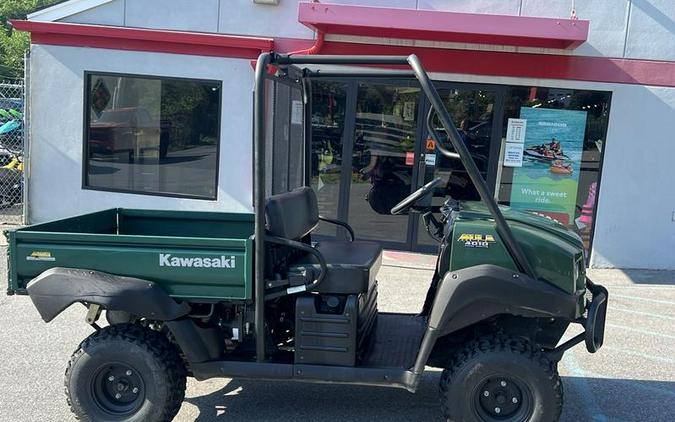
[[318, 43], [315, 49]]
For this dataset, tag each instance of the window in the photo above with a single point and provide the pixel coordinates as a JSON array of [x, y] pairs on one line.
[[552, 168], [561, 153], [150, 135]]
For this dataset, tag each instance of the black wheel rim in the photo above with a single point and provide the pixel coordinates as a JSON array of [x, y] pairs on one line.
[[118, 389], [503, 398]]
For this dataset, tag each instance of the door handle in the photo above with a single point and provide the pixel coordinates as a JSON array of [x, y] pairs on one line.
[[421, 167]]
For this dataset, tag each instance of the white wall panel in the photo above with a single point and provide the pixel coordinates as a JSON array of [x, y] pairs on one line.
[[107, 14], [248, 18], [651, 31], [57, 96], [607, 31], [183, 15], [637, 194]]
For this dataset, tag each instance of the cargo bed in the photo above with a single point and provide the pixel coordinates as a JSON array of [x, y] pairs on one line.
[[204, 255]]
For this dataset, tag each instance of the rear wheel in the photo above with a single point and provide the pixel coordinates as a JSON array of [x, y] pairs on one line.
[[501, 379], [125, 372]]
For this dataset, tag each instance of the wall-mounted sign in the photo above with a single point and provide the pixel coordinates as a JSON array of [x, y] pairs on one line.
[[430, 159]]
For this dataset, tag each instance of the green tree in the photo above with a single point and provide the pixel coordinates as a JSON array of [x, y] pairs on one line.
[[14, 43]]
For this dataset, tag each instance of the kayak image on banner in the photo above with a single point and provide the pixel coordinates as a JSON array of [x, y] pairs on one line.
[[548, 180]]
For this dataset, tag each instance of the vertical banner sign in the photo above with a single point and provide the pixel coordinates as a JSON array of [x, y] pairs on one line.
[[548, 179]]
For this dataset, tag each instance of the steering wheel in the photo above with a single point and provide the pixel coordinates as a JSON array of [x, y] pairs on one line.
[[414, 197]]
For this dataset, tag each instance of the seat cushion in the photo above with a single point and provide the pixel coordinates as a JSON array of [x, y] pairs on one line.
[[352, 266]]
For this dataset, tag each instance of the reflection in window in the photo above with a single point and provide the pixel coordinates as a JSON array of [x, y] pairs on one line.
[[328, 116], [471, 110], [153, 136], [382, 159]]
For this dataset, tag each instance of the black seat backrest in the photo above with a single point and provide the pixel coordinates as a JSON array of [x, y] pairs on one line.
[[292, 215]]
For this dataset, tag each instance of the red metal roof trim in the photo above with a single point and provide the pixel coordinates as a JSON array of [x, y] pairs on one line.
[[523, 65], [493, 63], [432, 25], [96, 36]]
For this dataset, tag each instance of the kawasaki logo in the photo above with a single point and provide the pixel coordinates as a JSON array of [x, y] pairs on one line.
[[166, 260]]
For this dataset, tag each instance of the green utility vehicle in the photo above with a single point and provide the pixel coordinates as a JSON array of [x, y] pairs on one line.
[[254, 296]]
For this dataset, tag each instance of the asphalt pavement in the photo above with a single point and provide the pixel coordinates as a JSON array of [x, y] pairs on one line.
[[632, 378]]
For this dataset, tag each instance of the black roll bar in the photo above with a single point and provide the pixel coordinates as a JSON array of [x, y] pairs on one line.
[[358, 73], [502, 226], [430, 91], [341, 60], [259, 202]]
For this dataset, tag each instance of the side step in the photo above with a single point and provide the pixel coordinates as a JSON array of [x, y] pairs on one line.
[[384, 377]]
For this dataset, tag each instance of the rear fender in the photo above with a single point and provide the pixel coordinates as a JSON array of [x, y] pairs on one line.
[[57, 288]]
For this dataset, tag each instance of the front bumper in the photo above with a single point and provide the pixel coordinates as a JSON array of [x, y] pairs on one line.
[[595, 318], [593, 322]]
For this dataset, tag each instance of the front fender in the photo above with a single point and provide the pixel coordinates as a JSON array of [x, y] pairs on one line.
[[57, 288], [474, 294]]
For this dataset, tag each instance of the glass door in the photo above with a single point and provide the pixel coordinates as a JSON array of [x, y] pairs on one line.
[[473, 110], [369, 151], [383, 161]]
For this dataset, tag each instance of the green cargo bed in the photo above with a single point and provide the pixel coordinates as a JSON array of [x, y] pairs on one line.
[[204, 255]]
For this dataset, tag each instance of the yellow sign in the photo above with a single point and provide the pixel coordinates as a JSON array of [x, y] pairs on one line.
[[41, 253], [431, 145]]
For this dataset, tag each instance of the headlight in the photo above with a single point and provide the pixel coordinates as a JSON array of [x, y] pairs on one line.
[[579, 272]]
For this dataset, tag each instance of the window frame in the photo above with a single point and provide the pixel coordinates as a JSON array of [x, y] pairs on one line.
[[85, 134]]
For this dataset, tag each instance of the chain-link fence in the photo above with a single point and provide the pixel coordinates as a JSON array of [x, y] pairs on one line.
[[12, 140]]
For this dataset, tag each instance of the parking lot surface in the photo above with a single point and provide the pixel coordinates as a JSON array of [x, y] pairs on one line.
[[632, 378]]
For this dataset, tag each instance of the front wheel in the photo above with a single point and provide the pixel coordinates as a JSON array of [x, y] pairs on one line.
[[125, 372], [501, 379]]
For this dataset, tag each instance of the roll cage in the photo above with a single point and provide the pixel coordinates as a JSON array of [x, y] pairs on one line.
[[374, 69]]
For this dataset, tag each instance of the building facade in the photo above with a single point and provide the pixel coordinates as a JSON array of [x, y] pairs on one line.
[[566, 107]]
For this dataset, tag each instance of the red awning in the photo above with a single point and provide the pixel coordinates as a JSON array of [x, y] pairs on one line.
[[138, 39], [432, 25]]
